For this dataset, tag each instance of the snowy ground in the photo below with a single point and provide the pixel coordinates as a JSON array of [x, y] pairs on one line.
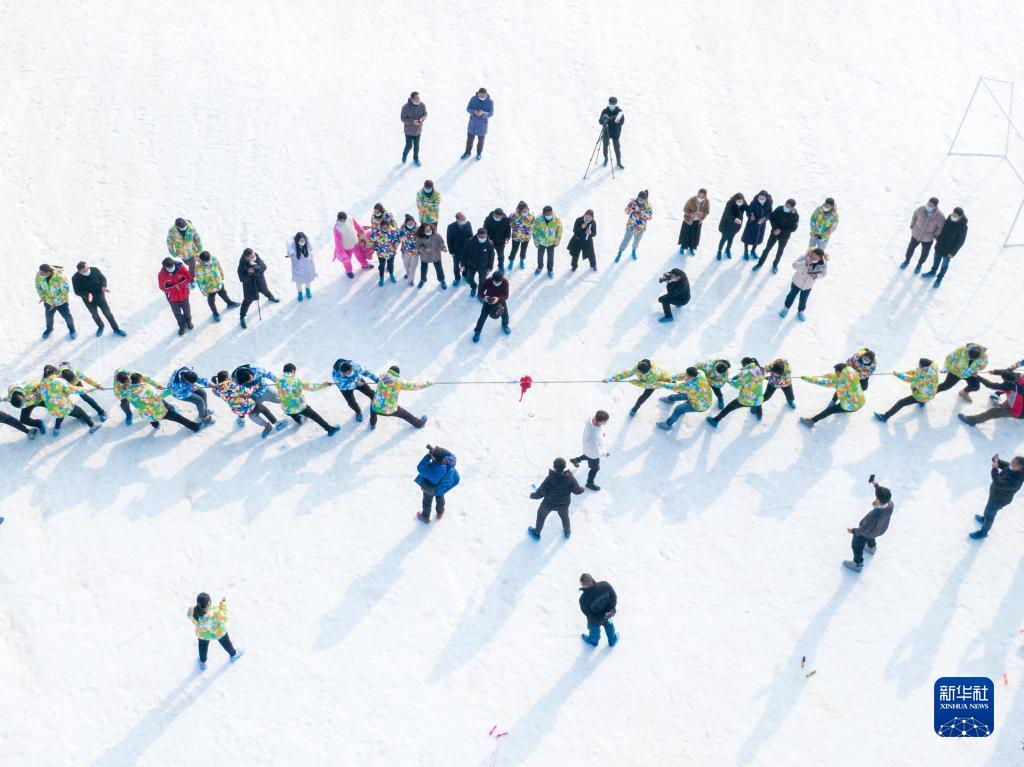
[[373, 640]]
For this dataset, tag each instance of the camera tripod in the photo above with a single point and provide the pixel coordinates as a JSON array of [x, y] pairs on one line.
[[601, 137]]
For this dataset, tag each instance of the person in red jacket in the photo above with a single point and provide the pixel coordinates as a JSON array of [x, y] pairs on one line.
[[494, 293], [174, 279]]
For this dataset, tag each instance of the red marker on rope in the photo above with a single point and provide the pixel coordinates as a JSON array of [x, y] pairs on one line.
[[524, 386]]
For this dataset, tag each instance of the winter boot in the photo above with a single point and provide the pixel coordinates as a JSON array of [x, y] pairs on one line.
[[392, 278], [718, 256], [533, 533], [663, 425], [592, 486], [682, 251], [881, 417], [202, 665], [851, 565], [667, 319], [99, 331], [784, 312], [56, 431], [506, 330], [120, 333], [238, 654], [617, 257], [575, 462], [728, 254], [808, 422], [424, 519], [801, 316], [333, 430], [871, 549], [73, 335], [905, 264], [46, 333], [421, 284], [350, 275], [266, 431], [241, 321], [380, 282], [522, 263], [216, 317], [633, 254], [566, 534], [978, 535], [775, 269], [280, 425], [711, 420], [476, 336], [917, 269], [102, 415], [309, 294], [300, 296], [756, 267], [928, 274], [937, 283], [444, 285], [359, 417]]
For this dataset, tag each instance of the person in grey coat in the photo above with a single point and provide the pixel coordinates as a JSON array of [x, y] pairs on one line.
[[480, 108], [925, 226], [871, 527], [414, 112]]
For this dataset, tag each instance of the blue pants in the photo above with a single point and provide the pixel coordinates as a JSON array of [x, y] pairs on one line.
[[935, 265], [678, 411], [594, 633]]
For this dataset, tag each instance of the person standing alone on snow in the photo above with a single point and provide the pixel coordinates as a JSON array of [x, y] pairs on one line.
[[252, 273], [611, 120], [593, 447], [300, 253], [598, 602], [807, 270], [90, 284], [871, 527], [1007, 479], [948, 244], [557, 490], [436, 475], [480, 108], [638, 213], [52, 289], [211, 624], [414, 113], [925, 226]]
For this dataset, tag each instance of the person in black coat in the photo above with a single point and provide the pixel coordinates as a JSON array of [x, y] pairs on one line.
[[499, 230], [611, 121], [677, 292], [459, 232], [1007, 479], [874, 523], [557, 490], [784, 220], [948, 244], [477, 254], [582, 241], [730, 223], [598, 602], [90, 284], [252, 274], [758, 211]]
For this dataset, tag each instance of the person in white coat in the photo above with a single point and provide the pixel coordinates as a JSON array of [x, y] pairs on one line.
[[808, 269], [593, 447], [300, 253]]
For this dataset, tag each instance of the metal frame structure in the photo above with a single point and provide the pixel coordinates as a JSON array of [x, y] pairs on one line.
[[1010, 126]]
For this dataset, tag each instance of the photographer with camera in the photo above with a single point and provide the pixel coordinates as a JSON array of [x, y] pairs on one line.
[[611, 121], [871, 527], [677, 292], [436, 475], [494, 292]]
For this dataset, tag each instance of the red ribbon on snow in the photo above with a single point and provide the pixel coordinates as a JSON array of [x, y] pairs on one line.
[[524, 385]]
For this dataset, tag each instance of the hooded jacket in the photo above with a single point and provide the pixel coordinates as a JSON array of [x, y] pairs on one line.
[[182, 245], [52, 288], [437, 477], [213, 624], [428, 205], [209, 276], [962, 366], [557, 489], [598, 602], [352, 381], [952, 237]]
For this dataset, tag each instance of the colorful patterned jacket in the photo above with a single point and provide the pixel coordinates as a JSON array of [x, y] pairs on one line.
[[864, 371], [30, 391], [639, 215], [213, 625], [750, 382], [56, 394], [697, 390], [384, 235], [716, 379], [522, 227], [779, 380], [547, 233], [182, 245], [960, 365], [209, 276], [408, 242], [121, 390], [53, 290], [351, 382], [80, 376], [290, 388], [823, 224], [148, 400], [385, 399], [429, 206], [239, 398], [847, 386], [924, 382], [652, 379]]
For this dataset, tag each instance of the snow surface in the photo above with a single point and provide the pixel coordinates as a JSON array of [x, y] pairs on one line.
[[374, 640]]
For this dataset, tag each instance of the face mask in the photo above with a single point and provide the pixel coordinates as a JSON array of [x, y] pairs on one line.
[[951, 218], [170, 270], [302, 242], [826, 208], [460, 221], [481, 239], [498, 218], [86, 273], [548, 218], [929, 208], [410, 226], [416, 102], [587, 219], [427, 233], [739, 201], [641, 200], [700, 198], [787, 208], [613, 107], [428, 190], [762, 200]]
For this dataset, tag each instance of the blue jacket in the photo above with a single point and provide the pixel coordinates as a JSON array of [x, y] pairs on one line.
[[442, 477], [183, 389], [351, 382], [262, 380], [478, 125]]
